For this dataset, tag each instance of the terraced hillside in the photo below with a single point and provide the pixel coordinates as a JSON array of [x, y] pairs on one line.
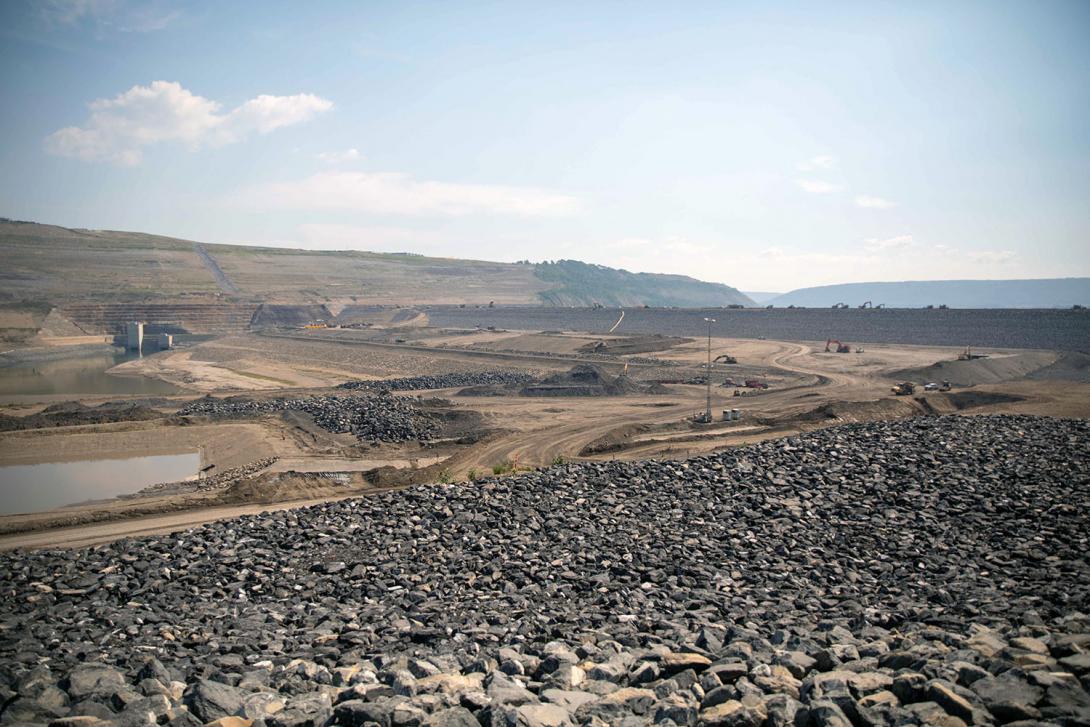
[[59, 265]]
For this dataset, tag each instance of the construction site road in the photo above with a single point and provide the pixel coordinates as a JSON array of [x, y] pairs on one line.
[[85, 535]]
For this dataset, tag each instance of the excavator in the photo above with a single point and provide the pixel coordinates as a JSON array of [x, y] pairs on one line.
[[840, 347], [725, 358]]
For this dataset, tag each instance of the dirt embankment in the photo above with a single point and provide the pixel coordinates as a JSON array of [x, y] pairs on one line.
[[991, 370], [73, 413]]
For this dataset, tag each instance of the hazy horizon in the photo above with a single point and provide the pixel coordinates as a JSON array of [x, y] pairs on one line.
[[767, 148]]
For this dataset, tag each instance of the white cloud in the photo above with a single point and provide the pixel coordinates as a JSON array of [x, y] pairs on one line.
[[817, 186], [868, 201], [993, 257], [392, 193], [818, 163], [893, 243], [118, 129], [339, 157]]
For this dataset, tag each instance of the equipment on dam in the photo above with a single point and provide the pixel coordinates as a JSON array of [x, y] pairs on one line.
[[906, 388], [725, 358], [866, 304], [755, 384], [968, 355], [840, 347]]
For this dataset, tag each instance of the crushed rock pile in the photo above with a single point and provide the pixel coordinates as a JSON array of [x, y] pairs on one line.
[[376, 418], [924, 571], [440, 381], [218, 481]]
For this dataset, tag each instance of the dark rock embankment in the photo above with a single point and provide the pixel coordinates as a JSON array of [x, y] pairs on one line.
[[73, 413], [376, 418], [440, 381], [925, 571]]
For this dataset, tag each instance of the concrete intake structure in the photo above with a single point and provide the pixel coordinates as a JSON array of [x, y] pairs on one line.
[[166, 341], [135, 335]]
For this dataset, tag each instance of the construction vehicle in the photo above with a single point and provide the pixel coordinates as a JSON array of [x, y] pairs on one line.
[[945, 386], [867, 304], [838, 306], [906, 388], [755, 384], [725, 358], [840, 347]]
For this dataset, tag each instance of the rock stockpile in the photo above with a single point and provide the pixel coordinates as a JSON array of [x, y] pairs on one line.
[[218, 481], [376, 418], [924, 571], [440, 381]]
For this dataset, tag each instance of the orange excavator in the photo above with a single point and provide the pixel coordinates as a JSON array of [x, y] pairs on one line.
[[840, 347]]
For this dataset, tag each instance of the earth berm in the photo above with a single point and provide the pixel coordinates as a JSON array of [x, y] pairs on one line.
[[926, 571]]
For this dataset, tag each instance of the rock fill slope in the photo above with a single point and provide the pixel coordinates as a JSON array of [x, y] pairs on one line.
[[922, 571]]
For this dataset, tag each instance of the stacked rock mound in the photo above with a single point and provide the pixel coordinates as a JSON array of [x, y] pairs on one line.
[[218, 481], [925, 571], [586, 380], [376, 418], [440, 381]]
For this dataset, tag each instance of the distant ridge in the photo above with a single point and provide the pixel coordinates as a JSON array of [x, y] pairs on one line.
[[47, 263], [1030, 293]]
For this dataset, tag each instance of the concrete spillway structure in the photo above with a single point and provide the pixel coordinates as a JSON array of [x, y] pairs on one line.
[[134, 335]]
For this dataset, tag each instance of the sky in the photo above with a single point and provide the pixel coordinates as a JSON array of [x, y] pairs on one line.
[[766, 145]]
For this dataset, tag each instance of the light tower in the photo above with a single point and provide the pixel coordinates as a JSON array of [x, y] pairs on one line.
[[708, 377]]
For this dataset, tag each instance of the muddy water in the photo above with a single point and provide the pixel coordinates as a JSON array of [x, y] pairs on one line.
[[36, 487], [80, 375]]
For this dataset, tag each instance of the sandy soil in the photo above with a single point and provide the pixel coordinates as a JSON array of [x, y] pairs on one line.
[[245, 374], [809, 389]]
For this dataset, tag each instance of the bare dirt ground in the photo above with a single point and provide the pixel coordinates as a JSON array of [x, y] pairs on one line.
[[808, 389]]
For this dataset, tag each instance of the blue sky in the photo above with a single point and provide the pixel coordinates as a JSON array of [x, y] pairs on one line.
[[767, 145]]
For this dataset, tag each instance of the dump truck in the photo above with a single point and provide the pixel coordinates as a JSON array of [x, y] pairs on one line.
[[905, 388]]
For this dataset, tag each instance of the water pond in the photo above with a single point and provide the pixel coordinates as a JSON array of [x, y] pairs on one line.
[[36, 487], [82, 375]]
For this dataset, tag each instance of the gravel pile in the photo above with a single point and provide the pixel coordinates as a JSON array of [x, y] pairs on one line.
[[932, 570], [376, 418], [440, 381]]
